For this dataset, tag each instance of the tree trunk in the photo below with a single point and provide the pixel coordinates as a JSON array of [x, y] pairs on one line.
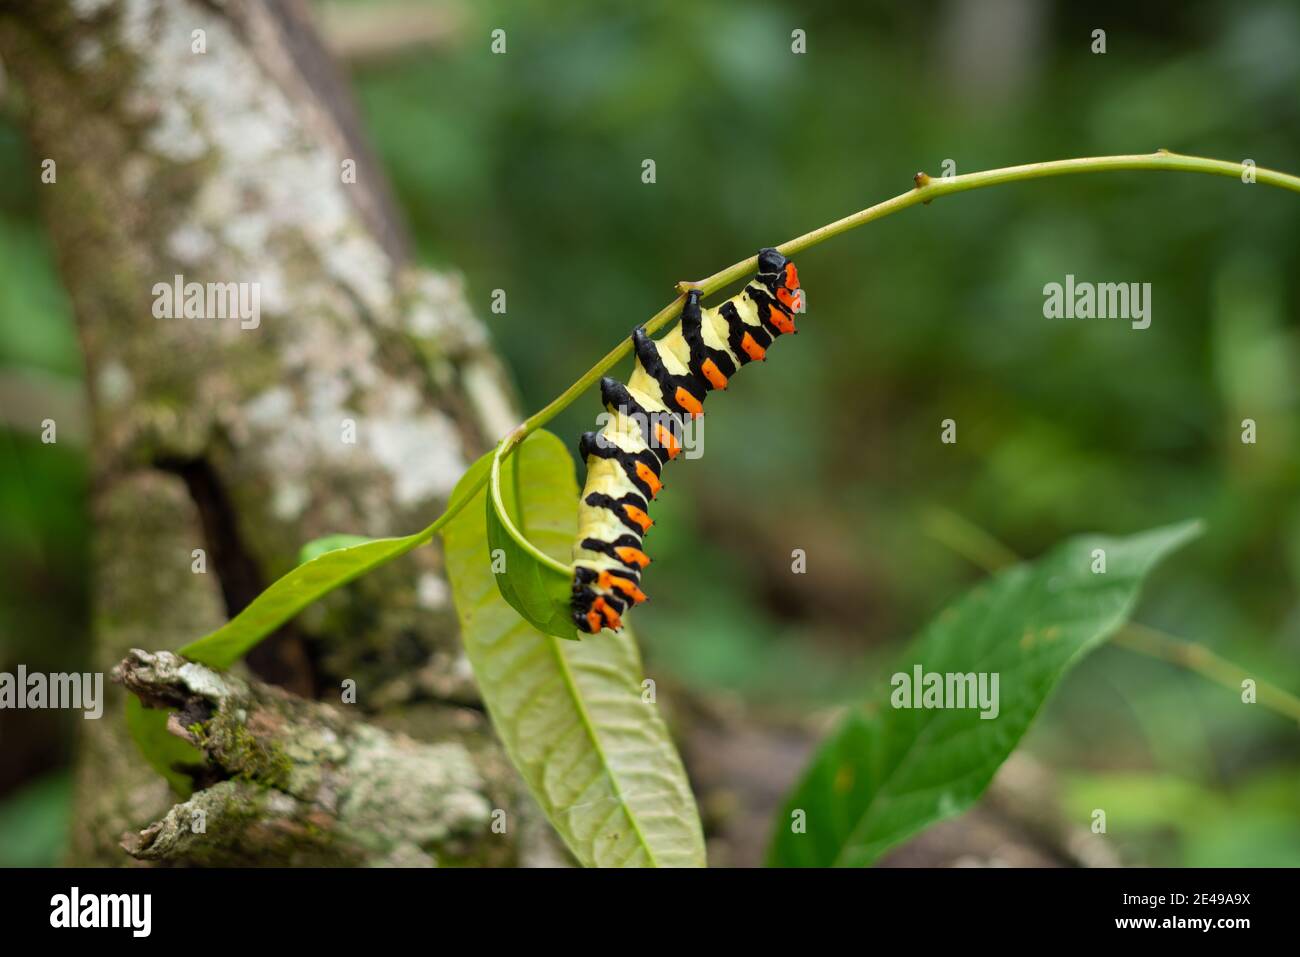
[[215, 141]]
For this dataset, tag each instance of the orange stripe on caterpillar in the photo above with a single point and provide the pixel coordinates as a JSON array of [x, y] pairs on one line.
[[631, 556], [667, 441], [752, 348], [780, 319], [689, 402], [646, 474], [624, 586], [713, 374], [611, 616], [639, 517]]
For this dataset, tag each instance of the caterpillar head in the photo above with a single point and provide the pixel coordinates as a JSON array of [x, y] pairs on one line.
[[781, 277], [770, 263]]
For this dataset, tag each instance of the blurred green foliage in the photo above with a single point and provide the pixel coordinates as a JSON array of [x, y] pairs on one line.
[[33, 822], [43, 522], [524, 172]]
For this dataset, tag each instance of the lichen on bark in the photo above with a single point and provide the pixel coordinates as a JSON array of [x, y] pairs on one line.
[[293, 781]]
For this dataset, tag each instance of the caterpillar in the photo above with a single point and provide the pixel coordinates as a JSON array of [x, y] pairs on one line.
[[645, 424]]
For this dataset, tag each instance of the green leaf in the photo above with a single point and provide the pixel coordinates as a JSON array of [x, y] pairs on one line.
[[313, 580], [290, 595], [886, 772], [536, 585], [597, 758], [335, 563], [328, 543]]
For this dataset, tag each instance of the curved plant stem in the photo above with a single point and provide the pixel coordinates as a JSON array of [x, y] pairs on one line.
[[926, 190], [1157, 644], [988, 554]]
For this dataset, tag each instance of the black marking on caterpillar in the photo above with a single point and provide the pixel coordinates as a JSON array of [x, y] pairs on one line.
[[644, 429], [622, 508], [642, 467], [616, 398]]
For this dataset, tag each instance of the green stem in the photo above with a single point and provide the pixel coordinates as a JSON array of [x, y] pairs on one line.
[[1157, 644], [926, 190]]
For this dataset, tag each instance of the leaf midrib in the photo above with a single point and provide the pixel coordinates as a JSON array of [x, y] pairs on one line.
[[570, 682]]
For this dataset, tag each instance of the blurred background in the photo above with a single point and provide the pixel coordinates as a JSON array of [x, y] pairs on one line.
[[524, 173]]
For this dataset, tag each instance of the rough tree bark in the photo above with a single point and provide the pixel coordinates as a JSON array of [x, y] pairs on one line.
[[228, 165]]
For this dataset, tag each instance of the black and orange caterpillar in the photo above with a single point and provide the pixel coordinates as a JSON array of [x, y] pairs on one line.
[[643, 432]]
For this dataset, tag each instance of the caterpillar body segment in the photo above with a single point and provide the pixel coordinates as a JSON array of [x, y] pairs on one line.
[[643, 429]]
